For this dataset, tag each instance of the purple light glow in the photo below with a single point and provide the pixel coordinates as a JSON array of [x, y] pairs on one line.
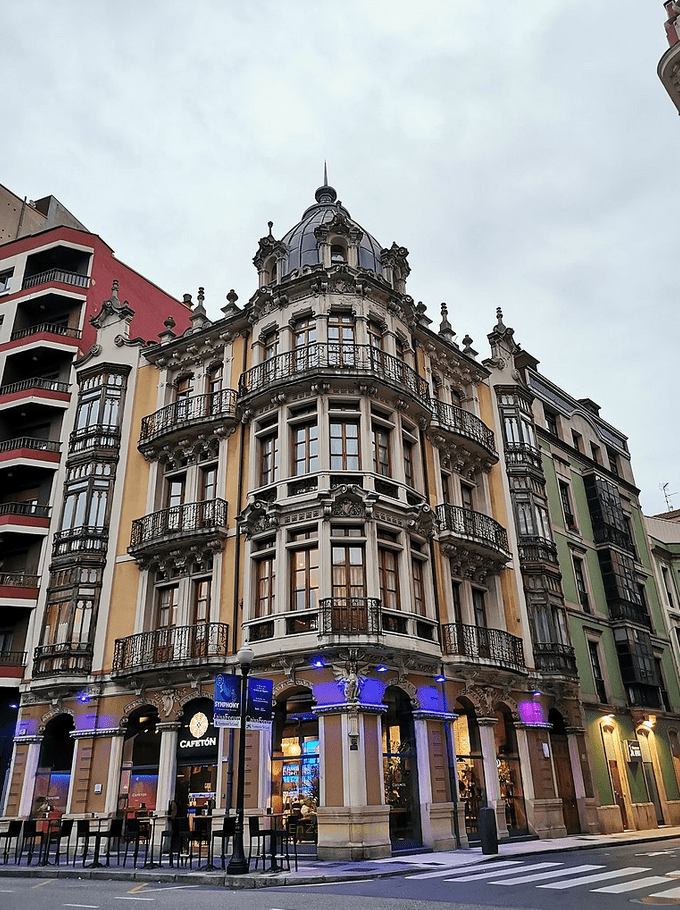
[[531, 713]]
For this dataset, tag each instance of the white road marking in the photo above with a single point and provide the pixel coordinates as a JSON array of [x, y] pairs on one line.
[[624, 887], [658, 853], [491, 872], [673, 892], [541, 875], [88, 906], [135, 898], [452, 870], [598, 877], [170, 888]]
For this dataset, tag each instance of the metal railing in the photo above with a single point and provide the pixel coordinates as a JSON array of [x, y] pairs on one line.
[[61, 275], [147, 649], [555, 657], [29, 442], [37, 382], [537, 549], [179, 520], [24, 508], [62, 658], [473, 525], [350, 616], [12, 658], [80, 540], [97, 436], [49, 328], [187, 410], [479, 643], [456, 420], [353, 359], [625, 611], [18, 580]]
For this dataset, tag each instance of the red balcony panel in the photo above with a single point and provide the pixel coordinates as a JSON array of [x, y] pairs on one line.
[[23, 447]]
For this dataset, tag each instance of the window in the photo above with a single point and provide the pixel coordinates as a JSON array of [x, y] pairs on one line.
[[577, 439], [183, 391], [201, 601], [344, 442], [466, 495], [418, 584], [6, 281], [665, 575], [214, 381], [598, 678], [304, 338], [167, 600], [595, 452], [375, 335], [479, 607], [270, 345], [565, 496], [581, 587], [338, 253], [87, 489], [456, 598], [348, 570], [304, 571], [658, 663], [613, 461], [388, 569], [99, 401], [550, 421], [305, 448], [532, 519], [340, 339], [265, 595], [381, 451], [408, 461], [268, 443], [208, 483]]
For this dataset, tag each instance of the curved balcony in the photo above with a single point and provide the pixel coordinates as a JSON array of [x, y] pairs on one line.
[[99, 436], [24, 516], [29, 449], [80, 540], [327, 360], [466, 531], [61, 276], [479, 645], [175, 421], [454, 426], [48, 391], [537, 550], [350, 616], [63, 659], [203, 643], [555, 657], [522, 456], [191, 523]]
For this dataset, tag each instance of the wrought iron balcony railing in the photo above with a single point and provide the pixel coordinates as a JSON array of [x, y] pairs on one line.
[[350, 616], [37, 382], [177, 521], [555, 657], [24, 508], [47, 328], [625, 611], [146, 650], [196, 409], [29, 442], [481, 644], [455, 420], [352, 359], [537, 549], [604, 533], [81, 540], [61, 659], [18, 580], [61, 275], [473, 526]]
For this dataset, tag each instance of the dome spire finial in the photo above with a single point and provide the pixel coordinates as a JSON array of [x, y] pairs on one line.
[[325, 173], [326, 194]]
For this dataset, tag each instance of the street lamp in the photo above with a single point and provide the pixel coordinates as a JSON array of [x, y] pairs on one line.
[[238, 864]]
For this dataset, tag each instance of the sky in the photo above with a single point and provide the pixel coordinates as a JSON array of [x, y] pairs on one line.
[[523, 153]]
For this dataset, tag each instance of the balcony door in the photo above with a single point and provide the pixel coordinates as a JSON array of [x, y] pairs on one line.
[[349, 605]]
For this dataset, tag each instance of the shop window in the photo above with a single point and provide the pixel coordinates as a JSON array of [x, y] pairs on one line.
[[53, 775], [197, 748], [295, 761], [139, 769]]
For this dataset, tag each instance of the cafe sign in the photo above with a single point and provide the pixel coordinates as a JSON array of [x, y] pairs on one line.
[[634, 750]]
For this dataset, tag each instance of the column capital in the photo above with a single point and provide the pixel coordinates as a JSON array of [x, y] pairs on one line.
[[487, 721]]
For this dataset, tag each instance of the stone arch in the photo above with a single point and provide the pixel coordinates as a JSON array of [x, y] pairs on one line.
[[51, 715], [409, 689]]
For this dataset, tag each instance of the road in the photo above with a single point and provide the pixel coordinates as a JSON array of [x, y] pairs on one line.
[[611, 879]]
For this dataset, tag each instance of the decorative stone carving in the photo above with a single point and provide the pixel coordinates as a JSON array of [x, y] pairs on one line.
[[422, 520], [259, 516], [348, 501]]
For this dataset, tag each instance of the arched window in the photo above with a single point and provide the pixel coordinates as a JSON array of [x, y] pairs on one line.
[[338, 253]]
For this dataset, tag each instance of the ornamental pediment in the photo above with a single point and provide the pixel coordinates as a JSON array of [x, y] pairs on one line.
[[348, 501]]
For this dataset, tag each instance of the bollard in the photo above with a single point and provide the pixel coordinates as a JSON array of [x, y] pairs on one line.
[[487, 830]]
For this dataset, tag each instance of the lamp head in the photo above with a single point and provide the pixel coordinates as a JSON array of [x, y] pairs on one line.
[[245, 656]]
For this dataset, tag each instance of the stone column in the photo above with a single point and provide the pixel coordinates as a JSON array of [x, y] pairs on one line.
[[167, 765], [113, 779], [28, 784], [424, 779], [493, 787]]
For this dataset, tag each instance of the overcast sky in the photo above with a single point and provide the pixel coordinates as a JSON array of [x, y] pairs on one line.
[[524, 152]]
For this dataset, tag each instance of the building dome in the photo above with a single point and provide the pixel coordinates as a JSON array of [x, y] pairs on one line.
[[302, 244]]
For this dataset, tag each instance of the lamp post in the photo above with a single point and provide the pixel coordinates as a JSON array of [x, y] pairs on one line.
[[238, 864]]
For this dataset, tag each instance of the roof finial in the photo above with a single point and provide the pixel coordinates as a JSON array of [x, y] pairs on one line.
[[325, 173]]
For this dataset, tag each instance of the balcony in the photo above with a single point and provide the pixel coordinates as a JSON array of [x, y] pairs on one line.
[[609, 534], [324, 360], [537, 550], [52, 276], [23, 516], [97, 437], [198, 644], [474, 532], [63, 659], [27, 449], [521, 456], [82, 541], [48, 329], [453, 426], [177, 420], [12, 664], [555, 657], [19, 586], [194, 522], [479, 645], [625, 611], [350, 616], [47, 391]]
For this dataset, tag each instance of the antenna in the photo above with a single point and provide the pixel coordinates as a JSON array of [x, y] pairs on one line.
[[667, 496]]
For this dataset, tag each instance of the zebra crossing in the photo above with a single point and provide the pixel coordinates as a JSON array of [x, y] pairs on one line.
[[558, 876]]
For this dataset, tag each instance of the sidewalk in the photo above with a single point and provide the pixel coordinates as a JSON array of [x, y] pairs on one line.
[[313, 871]]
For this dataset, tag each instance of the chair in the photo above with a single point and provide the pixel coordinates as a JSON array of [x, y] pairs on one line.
[[82, 833], [13, 832], [114, 834], [31, 836], [63, 832], [259, 837], [226, 833], [138, 833], [291, 837], [199, 836]]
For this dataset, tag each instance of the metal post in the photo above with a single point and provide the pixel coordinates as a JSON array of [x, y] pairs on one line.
[[238, 864]]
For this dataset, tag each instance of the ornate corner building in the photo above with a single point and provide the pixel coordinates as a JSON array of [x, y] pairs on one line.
[[323, 474]]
